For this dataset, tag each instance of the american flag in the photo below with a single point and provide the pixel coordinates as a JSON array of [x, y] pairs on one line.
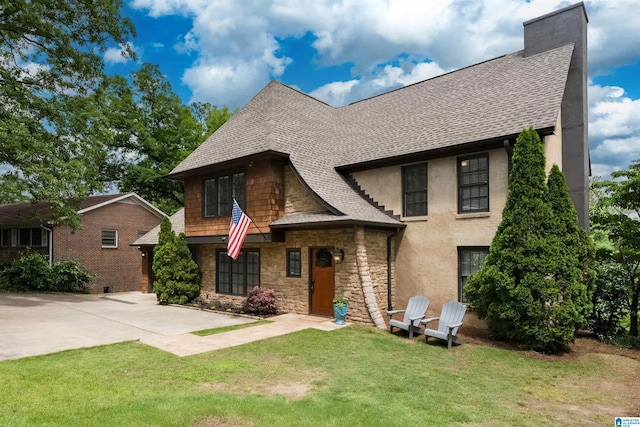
[[238, 230]]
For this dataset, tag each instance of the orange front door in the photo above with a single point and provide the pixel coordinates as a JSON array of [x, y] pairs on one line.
[[322, 282]]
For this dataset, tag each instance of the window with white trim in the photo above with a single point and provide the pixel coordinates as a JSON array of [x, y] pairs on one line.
[[109, 239], [29, 237]]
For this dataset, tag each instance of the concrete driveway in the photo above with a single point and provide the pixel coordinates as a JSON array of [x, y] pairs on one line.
[[33, 324]]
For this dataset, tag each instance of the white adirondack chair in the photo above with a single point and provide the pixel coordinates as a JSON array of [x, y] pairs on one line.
[[413, 314], [449, 322]]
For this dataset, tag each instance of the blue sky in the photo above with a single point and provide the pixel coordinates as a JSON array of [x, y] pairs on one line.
[[223, 52]]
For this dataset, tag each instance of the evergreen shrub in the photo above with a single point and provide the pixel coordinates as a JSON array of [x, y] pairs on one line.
[[177, 277]]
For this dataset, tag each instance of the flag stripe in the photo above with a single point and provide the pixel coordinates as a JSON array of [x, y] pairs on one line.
[[238, 230]]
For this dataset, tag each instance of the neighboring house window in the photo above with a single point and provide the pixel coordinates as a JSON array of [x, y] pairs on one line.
[[5, 237], [109, 238], [294, 263], [30, 237], [470, 260], [219, 193], [239, 276], [473, 183], [414, 190]]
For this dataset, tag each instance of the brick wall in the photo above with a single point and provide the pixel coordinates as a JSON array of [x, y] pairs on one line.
[[120, 268]]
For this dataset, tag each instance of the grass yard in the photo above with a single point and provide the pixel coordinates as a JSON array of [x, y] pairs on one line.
[[355, 376]]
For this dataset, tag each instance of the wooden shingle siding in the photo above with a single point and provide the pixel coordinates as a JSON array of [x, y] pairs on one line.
[[264, 195]]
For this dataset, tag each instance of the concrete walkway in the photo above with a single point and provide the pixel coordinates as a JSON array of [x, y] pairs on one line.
[[35, 324], [188, 344]]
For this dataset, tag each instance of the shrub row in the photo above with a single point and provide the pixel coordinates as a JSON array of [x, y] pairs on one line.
[[32, 273]]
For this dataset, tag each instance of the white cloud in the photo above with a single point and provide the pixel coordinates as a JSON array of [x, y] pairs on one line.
[[614, 129], [119, 55], [366, 33], [336, 93], [235, 49]]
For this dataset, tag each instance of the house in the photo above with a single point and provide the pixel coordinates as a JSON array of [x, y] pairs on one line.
[[110, 223], [392, 196]]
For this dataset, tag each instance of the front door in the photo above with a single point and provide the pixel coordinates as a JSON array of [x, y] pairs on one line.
[[322, 282]]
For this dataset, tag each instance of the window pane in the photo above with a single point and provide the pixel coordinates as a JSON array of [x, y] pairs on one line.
[[109, 239], [474, 184], [253, 269], [238, 188], [224, 196], [415, 189], [36, 237], [294, 263], [237, 274], [24, 237], [210, 198], [223, 267], [470, 261]]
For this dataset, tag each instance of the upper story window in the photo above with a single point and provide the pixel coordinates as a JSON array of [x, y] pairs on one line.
[[109, 238], [473, 183], [414, 190], [219, 193]]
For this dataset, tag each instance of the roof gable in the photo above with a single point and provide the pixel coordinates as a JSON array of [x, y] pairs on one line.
[[490, 100]]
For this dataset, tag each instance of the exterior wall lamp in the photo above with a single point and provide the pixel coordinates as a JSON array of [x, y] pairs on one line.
[[338, 255]]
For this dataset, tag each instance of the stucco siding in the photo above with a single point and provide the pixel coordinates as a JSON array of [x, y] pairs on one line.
[[427, 249]]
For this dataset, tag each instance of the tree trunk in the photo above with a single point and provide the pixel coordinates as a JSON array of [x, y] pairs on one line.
[[633, 330]]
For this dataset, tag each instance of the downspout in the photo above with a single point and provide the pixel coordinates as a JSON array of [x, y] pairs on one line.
[[50, 244], [391, 236]]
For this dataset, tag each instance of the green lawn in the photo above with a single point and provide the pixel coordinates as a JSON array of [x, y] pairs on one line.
[[354, 376]]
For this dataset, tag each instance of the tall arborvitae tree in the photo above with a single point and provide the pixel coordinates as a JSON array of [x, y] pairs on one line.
[[577, 271], [177, 278], [517, 289]]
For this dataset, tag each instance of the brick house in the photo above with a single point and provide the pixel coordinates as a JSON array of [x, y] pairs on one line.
[[110, 223], [392, 196]]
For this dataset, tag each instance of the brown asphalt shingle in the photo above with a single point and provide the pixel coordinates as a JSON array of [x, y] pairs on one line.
[[489, 100]]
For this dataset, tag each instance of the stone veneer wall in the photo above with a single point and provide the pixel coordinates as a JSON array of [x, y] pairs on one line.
[[296, 197], [293, 292]]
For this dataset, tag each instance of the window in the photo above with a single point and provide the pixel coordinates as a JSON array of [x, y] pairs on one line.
[[414, 190], [5, 237], [219, 193], [294, 263], [473, 184], [239, 276], [29, 237], [109, 238], [469, 261]]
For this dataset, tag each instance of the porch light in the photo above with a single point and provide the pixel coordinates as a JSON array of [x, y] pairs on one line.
[[338, 255]]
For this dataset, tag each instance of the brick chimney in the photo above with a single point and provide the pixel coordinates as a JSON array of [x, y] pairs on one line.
[[559, 28]]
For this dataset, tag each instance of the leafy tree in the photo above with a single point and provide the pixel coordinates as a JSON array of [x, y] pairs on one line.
[[50, 59], [153, 131], [177, 275], [618, 214], [524, 288]]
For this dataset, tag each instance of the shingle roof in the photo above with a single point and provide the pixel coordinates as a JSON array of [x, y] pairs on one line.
[[23, 214], [489, 100], [151, 238]]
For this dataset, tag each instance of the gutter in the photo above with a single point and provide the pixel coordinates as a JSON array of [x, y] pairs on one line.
[[50, 230]]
